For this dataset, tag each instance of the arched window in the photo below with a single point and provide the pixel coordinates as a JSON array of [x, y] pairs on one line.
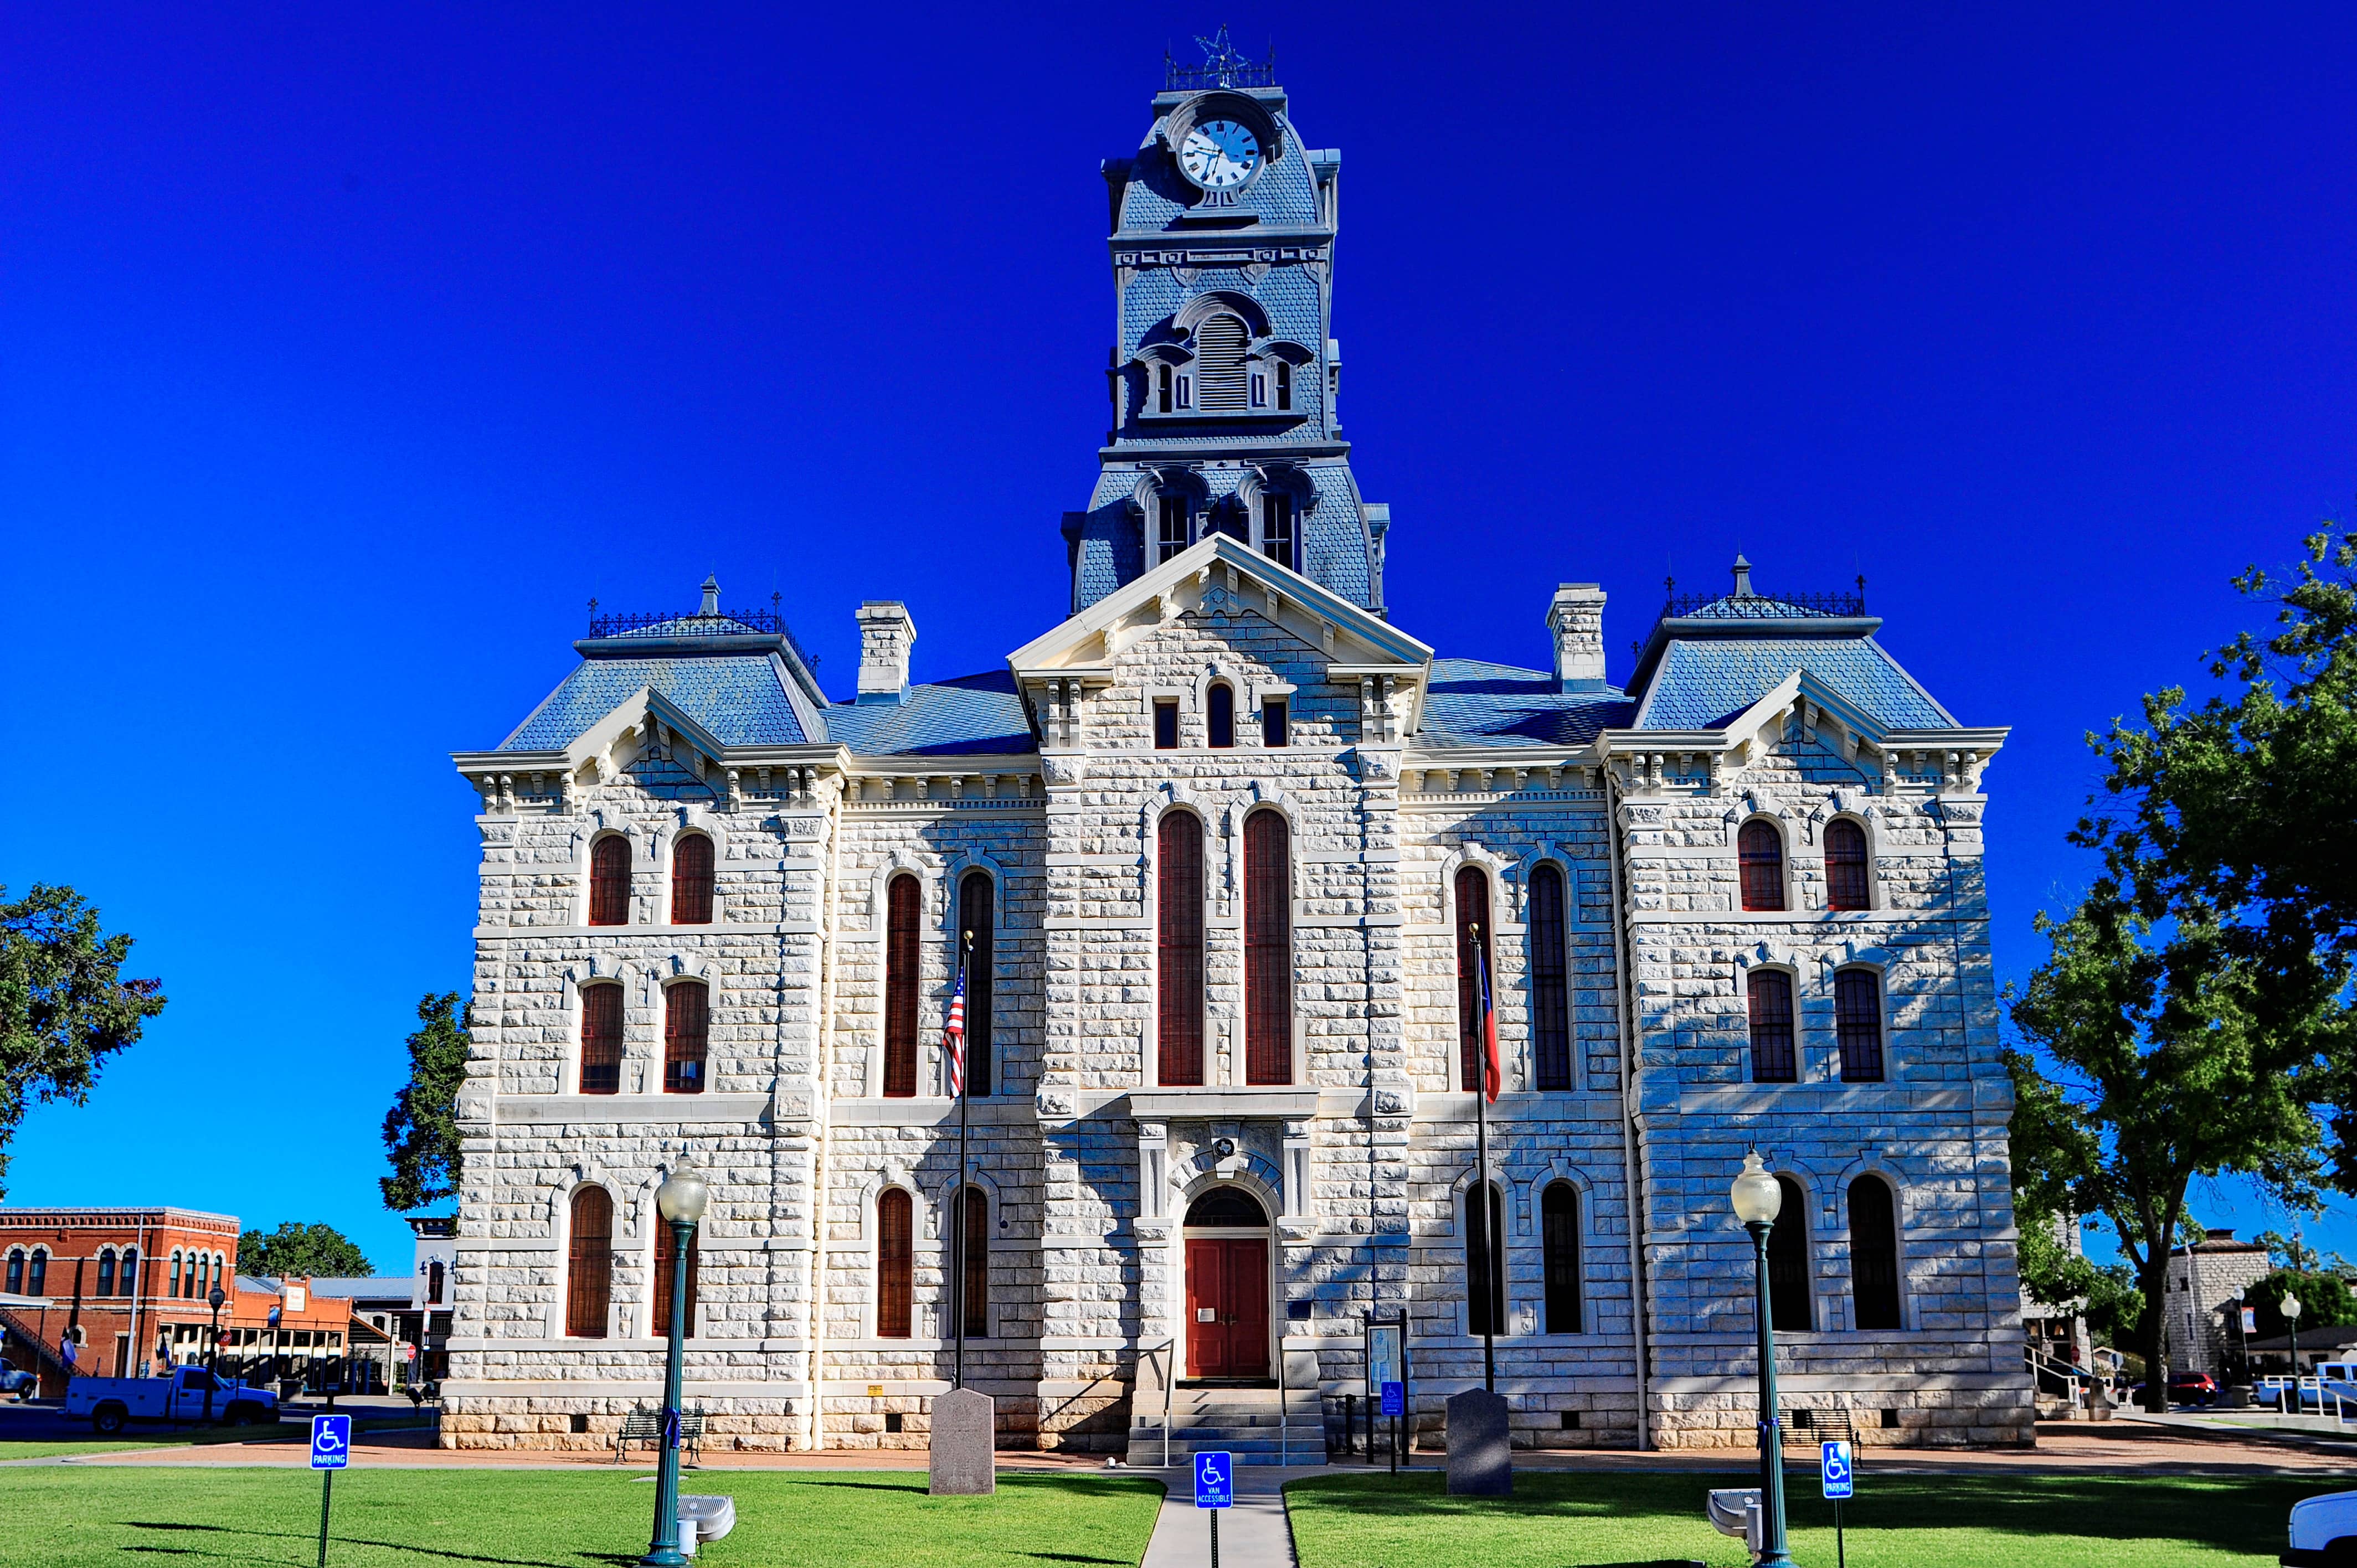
[[1858, 1025], [1472, 909], [589, 1263], [15, 1285], [1559, 1239], [972, 1226], [610, 881], [1276, 526], [666, 1259], [1761, 850], [1789, 1304], [902, 899], [1170, 519], [1485, 1260], [1873, 1256], [896, 1264], [601, 1039], [1284, 386], [1268, 949], [1220, 713], [974, 898], [1550, 989], [434, 1276], [1773, 1060], [691, 880], [172, 1289], [106, 1273], [687, 1033], [1847, 884], [1220, 362], [1178, 949], [204, 1273], [38, 1282], [126, 1283]]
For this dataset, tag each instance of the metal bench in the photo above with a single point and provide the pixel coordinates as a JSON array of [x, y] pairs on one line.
[[645, 1427]]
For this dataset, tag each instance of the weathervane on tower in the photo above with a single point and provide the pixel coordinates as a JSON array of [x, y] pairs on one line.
[[1221, 67]]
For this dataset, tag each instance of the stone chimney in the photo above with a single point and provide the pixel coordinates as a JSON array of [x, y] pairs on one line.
[[1576, 621], [886, 636]]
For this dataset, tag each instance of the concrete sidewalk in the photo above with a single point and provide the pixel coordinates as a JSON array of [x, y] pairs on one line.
[[1253, 1534]]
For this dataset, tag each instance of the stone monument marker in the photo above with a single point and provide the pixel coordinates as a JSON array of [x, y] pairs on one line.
[[964, 1441]]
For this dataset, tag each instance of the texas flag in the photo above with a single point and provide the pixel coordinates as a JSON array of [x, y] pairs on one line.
[[1492, 1076], [953, 1036]]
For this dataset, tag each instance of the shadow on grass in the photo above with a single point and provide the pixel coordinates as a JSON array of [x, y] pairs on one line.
[[2235, 1514], [349, 1540]]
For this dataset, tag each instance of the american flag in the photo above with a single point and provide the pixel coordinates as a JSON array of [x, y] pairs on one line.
[[953, 1036], [1492, 1076]]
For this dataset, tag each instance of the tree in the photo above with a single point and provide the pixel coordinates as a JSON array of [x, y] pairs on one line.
[[421, 1131], [297, 1250], [2150, 1064], [2325, 1301], [64, 1005]]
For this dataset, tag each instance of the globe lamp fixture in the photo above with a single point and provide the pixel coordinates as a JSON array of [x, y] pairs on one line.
[[1757, 1196], [681, 1198]]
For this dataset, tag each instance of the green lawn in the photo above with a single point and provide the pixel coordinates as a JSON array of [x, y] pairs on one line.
[[69, 1515], [74, 1445], [1557, 1519], [180, 1436]]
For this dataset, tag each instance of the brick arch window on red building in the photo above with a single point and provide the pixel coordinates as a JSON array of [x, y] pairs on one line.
[[172, 1283], [15, 1285], [1849, 883], [1472, 889], [903, 911], [691, 880], [896, 1264], [687, 1035], [601, 1039], [1268, 949], [1178, 949], [37, 1280], [1760, 852], [589, 1263], [610, 881], [126, 1280], [106, 1272]]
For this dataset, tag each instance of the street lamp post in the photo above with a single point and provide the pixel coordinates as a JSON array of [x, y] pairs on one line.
[[2290, 1306], [680, 1203], [212, 1350], [1756, 1199]]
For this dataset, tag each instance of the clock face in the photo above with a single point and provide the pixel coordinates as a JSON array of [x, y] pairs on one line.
[[1218, 155]]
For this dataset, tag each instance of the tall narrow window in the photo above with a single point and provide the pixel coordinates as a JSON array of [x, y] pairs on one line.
[[1550, 987], [1472, 909], [974, 915], [17, 1271], [1559, 1239], [1485, 1261], [434, 1278], [16, 1282], [666, 1260], [1873, 1255], [610, 881], [1283, 387], [601, 1039], [127, 1281], [1789, 1302], [691, 880], [902, 898], [1178, 949], [973, 1263], [589, 1263], [1276, 527], [1220, 713], [1761, 850], [1858, 1025], [896, 1265], [1260, 389], [106, 1273], [1186, 392], [1170, 520], [1772, 1058], [1274, 729], [1268, 949], [1165, 724], [1162, 388], [1846, 879], [204, 1272], [38, 1282], [687, 1030], [1220, 362]]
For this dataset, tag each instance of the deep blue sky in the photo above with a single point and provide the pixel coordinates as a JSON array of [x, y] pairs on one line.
[[346, 352]]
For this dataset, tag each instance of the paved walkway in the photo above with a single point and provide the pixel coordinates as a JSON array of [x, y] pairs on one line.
[[1253, 1534]]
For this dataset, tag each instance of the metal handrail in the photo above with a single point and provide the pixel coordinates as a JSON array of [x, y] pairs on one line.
[[1170, 1378], [1284, 1416]]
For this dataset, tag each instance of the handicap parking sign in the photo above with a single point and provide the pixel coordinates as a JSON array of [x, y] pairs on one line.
[[1838, 1476], [1394, 1398], [1213, 1475], [331, 1441]]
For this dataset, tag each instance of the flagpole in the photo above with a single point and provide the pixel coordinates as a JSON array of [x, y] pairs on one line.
[[957, 1290], [1489, 1229]]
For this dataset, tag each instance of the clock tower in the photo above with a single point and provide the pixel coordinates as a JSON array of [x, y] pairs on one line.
[[1224, 369]]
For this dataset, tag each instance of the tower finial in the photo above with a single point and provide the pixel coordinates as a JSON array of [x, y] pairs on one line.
[[1742, 578], [711, 596]]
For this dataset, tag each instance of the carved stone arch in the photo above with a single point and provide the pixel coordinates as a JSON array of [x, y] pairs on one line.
[[1749, 810], [580, 1173], [954, 875], [944, 1195], [1879, 1166], [682, 963], [1472, 852], [1509, 1191], [891, 1174], [1173, 796], [1562, 1170], [1544, 851], [1281, 478], [1256, 1174], [924, 867], [1216, 670], [1169, 793], [1222, 301], [1767, 954]]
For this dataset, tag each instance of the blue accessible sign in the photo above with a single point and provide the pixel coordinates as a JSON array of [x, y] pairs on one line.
[[1839, 1478], [331, 1441], [1394, 1398], [1214, 1480]]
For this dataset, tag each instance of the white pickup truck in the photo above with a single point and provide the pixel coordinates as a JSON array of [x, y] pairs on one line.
[[112, 1403]]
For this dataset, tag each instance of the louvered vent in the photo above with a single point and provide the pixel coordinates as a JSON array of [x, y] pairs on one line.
[[1219, 364]]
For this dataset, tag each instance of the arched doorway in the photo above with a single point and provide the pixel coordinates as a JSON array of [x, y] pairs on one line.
[[1227, 1287]]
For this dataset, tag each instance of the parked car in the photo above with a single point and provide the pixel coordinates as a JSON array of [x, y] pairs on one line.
[[17, 1381], [110, 1404], [2184, 1388], [2323, 1532]]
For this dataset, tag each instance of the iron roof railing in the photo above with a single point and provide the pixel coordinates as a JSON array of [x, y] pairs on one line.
[[674, 623], [1233, 73], [1764, 606]]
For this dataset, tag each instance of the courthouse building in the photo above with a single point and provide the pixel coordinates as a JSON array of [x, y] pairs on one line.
[[1227, 841]]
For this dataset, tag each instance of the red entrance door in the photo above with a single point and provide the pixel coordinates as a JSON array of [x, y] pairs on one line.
[[1227, 1308]]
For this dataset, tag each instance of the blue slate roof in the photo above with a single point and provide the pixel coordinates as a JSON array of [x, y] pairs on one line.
[[1703, 684], [972, 715], [1472, 701], [741, 698]]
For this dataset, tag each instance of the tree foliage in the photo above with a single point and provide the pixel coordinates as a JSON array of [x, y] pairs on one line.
[[421, 1131], [2325, 1301], [298, 1250], [65, 1006]]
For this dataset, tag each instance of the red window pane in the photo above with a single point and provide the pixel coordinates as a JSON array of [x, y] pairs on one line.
[[1772, 1056], [1472, 909], [1268, 949], [589, 1263], [610, 881], [1760, 849], [896, 1276], [687, 1021], [691, 881], [1178, 949], [601, 1039], [902, 909], [1845, 876]]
